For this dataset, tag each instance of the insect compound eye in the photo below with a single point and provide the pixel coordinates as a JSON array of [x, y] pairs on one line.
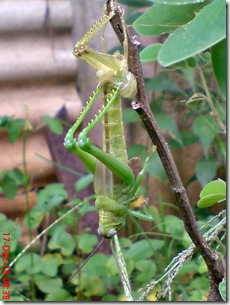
[[111, 233]]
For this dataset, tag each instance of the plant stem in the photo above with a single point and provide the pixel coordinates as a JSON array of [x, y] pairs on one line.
[[141, 106], [210, 102]]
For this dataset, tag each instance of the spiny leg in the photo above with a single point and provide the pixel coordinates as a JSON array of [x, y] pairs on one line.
[[146, 215], [70, 141], [121, 170]]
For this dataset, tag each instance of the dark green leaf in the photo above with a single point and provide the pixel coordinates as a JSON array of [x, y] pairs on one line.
[[31, 263], [130, 116], [204, 31], [50, 264], [147, 270], [61, 295], [18, 176], [136, 3], [3, 121], [177, 2], [135, 150], [9, 186], [206, 170], [206, 128], [160, 19], [33, 219], [169, 125], [14, 129], [144, 249], [50, 197], [150, 53], [61, 240], [92, 285], [83, 182], [162, 82], [219, 63], [54, 124], [155, 168], [86, 242], [46, 284]]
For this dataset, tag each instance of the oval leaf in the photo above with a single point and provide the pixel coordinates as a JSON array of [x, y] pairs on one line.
[[160, 19], [204, 31], [217, 187], [150, 53], [210, 200], [206, 170], [178, 2], [219, 63]]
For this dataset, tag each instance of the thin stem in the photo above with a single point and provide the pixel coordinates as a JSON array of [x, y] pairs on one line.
[[27, 188], [141, 106], [210, 102], [122, 267]]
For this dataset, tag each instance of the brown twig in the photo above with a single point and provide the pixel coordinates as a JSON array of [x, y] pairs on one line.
[[141, 106]]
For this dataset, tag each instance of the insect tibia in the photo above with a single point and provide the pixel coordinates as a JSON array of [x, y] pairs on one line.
[[93, 30]]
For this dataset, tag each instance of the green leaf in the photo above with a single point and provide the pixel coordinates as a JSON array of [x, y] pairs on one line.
[[214, 187], [204, 31], [210, 200], [206, 128], [178, 2], [206, 170], [135, 150], [173, 225], [9, 186], [100, 261], [31, 263], [143, 249], [219, 63], [136, 3], [196, 100], [18, 176], [150, 53], [9, 226], [160, 19], [46, 284], [130, 116], [86, 242], [169, 125], [222, 288], [50, 197], [83, 182], [3, 121], [212, 193], [14, 129], [155, 168], [147, 270], [33, 219], [92, 285], [162, 82], [54, 124], [61, 240], [50, 264], [59, 296]]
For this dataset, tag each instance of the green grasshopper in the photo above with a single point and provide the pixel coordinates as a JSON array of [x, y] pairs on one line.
[[114, 182]]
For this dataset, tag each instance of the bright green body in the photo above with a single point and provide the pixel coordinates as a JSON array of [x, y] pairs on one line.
[[114, 182]]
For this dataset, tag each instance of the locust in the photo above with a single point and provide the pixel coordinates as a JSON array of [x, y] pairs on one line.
[[115, 185]]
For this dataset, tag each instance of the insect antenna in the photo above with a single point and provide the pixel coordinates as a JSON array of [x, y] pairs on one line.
[[88, 258]]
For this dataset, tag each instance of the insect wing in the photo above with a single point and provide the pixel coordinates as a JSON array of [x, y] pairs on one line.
[[103, 181]]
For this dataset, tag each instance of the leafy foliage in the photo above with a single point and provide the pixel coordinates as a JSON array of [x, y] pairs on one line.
[[42, 276]]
